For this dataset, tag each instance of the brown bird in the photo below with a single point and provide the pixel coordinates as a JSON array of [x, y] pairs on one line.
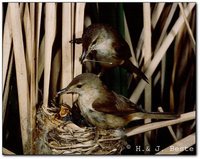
[[106, 46], [104, 108]]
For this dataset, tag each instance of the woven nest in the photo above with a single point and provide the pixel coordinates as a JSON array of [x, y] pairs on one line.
[[57, 134]]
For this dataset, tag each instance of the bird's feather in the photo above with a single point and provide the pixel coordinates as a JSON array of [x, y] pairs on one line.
[[113, 103]]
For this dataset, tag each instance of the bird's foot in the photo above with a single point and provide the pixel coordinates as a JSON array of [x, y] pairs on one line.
[[97, 134]]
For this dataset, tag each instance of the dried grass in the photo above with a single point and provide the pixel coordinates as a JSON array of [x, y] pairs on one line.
[[160, 53]]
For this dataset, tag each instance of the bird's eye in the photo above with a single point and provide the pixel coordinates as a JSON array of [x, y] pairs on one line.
[[79, 86]]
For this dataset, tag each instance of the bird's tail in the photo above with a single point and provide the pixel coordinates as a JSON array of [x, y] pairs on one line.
[[152, 115], [133, 69], [157, 115]]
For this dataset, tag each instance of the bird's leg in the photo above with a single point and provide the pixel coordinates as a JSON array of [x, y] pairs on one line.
[[97, 134], [96, 137]]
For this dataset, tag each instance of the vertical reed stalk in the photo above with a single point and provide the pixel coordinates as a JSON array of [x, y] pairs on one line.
[[147, 58], [50, 31], [80, 7], [21, 73], [38, 25], [155, 17], [66, 50], [7, 42], [32, 73]]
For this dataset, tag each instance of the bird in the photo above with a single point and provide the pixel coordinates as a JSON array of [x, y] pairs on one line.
[[107, 47], [103, 108]]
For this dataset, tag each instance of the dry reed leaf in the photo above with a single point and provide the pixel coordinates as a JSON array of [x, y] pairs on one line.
[[162, 76], [21, 8], [147, 51], [32, 17], [162, 36], [7, 86], [32, 69], [7, 152], [156, 79], [55, 70], [41, 58], [182, 66], [155, 17], [147, 56], [180, 145], [50, 32], [128, 40], [7, 42], [156, 125], [160, 53], [188, 27], [156, 14], [28, 51], [80, 8], [38, 25], [30, 62], [167, 22], [66, 51], [21, 73], [147, 32]]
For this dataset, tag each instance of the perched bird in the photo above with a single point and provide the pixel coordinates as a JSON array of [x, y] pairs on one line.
[[104, 108], [106, 46]]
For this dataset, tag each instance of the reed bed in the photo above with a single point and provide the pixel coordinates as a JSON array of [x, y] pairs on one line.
[[38, 60]]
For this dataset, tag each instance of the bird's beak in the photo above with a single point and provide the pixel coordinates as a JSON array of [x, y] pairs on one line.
[[83, 56], [64, 90]]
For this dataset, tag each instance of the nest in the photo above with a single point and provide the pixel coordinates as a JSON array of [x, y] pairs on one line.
[[57, 134]]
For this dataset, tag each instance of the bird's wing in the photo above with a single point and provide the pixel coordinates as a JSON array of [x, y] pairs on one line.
[[115, 104], [124, 104]]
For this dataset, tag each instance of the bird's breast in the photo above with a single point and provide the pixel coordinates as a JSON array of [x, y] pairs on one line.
[[107, 54], [86, 100], [88, 112]]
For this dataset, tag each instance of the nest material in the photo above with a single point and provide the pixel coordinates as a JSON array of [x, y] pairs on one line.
[[56, 136]]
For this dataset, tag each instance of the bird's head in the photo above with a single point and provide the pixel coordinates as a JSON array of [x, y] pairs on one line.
[[82, 84], [92, 37]]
